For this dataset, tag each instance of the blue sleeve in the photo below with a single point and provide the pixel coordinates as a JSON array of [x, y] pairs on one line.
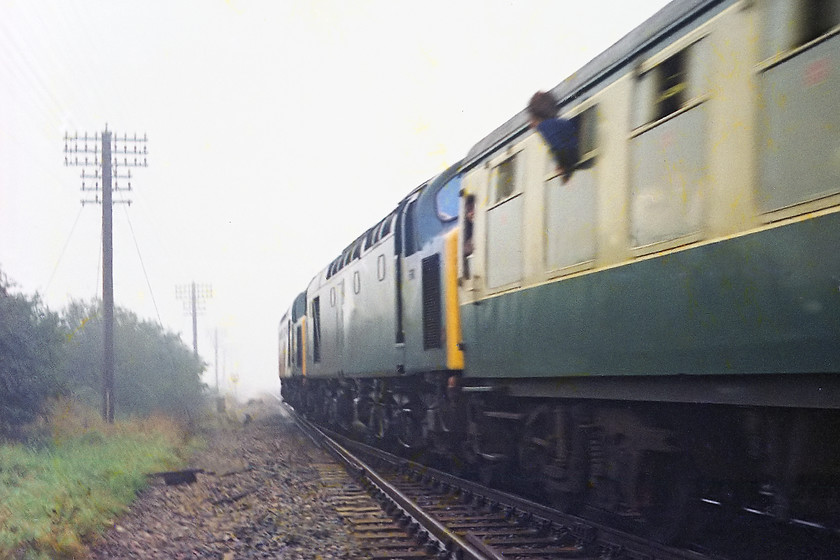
[[560, 135]]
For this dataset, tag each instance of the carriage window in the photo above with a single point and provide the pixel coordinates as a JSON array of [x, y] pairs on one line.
[[673, 84], [447, 199], [820, 16], [586, 124], [792, 23], [504, 178]]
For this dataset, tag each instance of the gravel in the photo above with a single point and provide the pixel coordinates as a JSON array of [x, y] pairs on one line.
[[264, 499]]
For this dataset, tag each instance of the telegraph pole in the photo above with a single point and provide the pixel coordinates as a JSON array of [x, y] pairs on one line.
[[105, 161], [194, 296], [216, 358]]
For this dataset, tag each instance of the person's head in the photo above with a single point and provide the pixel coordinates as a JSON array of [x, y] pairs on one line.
[[541, 107], [469, 206]]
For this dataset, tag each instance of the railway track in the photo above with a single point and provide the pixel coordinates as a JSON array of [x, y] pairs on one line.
[[400, 509]]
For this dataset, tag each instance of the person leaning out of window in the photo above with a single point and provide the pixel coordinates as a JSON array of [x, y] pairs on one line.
[[559, 134]]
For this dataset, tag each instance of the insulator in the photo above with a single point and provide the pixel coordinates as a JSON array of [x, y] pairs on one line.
[[135, 137], [144, 162], [65, 161]]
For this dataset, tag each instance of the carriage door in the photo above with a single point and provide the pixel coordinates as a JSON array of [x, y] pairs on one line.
[[505, 258], [799, 80]]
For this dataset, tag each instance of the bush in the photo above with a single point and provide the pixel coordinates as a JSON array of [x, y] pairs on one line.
[[30, 352], [154, 372]]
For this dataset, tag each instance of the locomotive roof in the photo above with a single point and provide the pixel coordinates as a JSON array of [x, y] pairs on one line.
[[668, 23]]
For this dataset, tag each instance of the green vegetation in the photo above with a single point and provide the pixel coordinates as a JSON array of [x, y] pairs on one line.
[[77, 478], [44, 354], [65, 474], [153, 370], [30, 354]]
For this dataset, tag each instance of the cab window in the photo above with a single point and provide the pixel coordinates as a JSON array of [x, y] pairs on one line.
[[447, 199]]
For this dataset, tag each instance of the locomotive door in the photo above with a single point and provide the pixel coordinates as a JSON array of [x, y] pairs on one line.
[[337, 304], [399, 284]]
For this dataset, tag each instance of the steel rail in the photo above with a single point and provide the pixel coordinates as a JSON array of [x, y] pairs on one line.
[[586, 530], [446, 541]]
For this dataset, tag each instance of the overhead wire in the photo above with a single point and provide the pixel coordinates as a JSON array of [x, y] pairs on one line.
[[152, 294], [63, 250], [142, 265]]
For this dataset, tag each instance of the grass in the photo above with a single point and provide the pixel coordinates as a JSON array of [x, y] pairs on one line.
[[76, 478]]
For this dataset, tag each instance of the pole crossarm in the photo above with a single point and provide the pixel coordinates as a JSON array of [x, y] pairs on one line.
[[119, 156]]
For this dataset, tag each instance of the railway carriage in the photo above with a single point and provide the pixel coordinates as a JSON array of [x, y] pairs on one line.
[[662, 329]]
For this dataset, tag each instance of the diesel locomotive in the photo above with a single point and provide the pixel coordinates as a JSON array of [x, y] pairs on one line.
[[659, 333]]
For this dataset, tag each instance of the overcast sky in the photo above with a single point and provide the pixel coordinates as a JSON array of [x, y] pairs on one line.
[[278, 131]]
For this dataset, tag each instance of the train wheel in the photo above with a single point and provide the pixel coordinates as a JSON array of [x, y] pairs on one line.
[[665, 491], [408, 423], [379, 425], [536, 450]]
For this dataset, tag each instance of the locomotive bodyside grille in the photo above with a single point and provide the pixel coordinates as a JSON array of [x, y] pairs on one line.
[[431, 302]]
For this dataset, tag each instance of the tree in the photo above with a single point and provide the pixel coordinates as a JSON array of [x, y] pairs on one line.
[[30, 352], [153, 370]]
